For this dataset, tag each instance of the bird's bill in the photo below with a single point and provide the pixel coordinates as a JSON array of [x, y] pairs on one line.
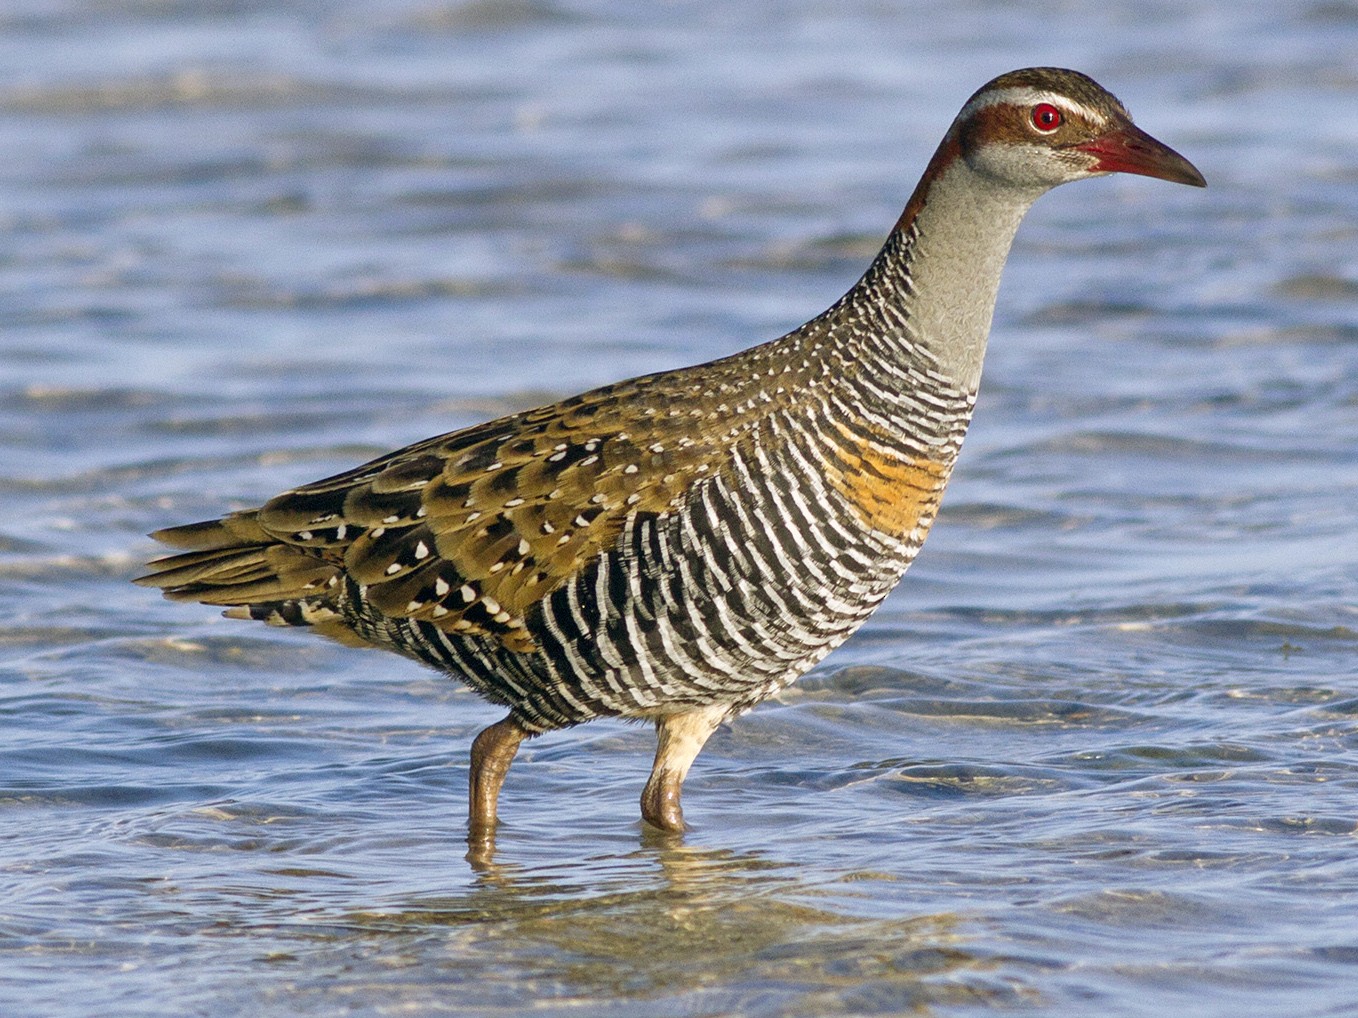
[[1128, 149]]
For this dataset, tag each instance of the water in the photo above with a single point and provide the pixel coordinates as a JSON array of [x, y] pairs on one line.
[[1097, 755]]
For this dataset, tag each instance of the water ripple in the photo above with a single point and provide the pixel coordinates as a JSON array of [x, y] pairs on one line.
[[1095, 756]]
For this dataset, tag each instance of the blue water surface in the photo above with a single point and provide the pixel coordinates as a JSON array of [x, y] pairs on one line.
[[1098, 755]]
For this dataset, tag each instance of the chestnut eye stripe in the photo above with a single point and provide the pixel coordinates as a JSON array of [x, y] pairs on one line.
[[1032, 100]]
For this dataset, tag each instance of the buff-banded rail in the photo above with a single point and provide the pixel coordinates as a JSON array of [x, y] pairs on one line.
[[677, 547]]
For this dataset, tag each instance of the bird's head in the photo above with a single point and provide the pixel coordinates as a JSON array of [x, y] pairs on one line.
[[1044, 126]]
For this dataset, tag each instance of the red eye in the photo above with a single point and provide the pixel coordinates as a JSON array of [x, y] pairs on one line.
[[1046, 117]]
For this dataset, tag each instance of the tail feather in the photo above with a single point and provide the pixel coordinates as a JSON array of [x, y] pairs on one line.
[[284, 613], [239, 573], [217, 567], [210, 535]]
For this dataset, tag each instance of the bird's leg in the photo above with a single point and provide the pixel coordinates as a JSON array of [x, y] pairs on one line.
[[679, 737], [492, 752]]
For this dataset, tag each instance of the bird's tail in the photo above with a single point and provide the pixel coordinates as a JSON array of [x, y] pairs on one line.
[[235, 563]]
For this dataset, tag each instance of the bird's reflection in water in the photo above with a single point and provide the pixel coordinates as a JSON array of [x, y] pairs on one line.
[[671, 918]]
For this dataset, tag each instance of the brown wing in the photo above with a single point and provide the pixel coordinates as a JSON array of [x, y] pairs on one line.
[[468, 530]]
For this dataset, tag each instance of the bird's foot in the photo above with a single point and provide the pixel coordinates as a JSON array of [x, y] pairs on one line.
[[660, 802], [492, 752]]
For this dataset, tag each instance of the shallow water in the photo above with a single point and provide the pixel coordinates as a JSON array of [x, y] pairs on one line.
[[1097, 755]]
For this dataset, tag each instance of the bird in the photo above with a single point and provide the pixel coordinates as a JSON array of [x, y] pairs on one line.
[[676, 548]]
